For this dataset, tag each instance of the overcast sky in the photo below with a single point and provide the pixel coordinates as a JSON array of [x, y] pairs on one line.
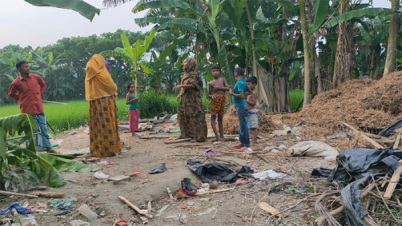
[[23, 24]]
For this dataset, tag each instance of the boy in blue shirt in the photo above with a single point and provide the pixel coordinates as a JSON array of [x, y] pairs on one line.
[[238, 97]]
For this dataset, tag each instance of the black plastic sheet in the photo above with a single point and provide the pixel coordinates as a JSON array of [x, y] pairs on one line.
[[391, 129], [210, 172], [360, 163]]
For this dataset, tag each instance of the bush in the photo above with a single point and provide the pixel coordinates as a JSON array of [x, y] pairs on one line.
[[151, 104]]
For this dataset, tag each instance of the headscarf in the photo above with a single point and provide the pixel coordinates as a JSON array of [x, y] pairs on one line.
[[108, 65], [98, 82], [191, 70]]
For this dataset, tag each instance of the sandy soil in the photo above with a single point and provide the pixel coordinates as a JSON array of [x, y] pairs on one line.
[[235, 207]]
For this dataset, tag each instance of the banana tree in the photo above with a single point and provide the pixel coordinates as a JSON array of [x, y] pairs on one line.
[[17, 130], [48, 68], [82, 7], [132, 54]]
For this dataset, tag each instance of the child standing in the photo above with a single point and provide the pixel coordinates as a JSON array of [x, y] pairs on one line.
[[217, 89], [252, 120], [133, 109], [239, 102]]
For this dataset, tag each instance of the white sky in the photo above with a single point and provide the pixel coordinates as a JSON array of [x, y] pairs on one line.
[[23, 24]]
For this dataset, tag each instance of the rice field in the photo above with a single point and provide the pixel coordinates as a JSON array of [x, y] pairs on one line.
[[64, 117]]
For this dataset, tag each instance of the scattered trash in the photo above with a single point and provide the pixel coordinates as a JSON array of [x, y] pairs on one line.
[[60, 213], [274, 150], [213, 185], [240, 182], [210, 152], [73, 133], [122, 223], [100, 175], [174, 131], [16, 206], [173, 118], [79, 223], [119, 178], [359, 164], [187, 187], [183, 218], [106, 163], [312, 148], [63, 204], [161, 210], [87, 212], [134, 207], [27, 221], [135, 172], [159, 169], [268, 173], [210, 172]]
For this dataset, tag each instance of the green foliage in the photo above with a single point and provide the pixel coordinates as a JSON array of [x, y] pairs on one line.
[[151, 104], [296, 96], [22, 166], [358, 13], [83, 8]]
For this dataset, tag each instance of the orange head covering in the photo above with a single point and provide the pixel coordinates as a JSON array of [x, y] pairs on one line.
[[98, 82]]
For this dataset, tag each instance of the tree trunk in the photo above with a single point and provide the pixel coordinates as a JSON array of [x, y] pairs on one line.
[[344, 50], [306, 99], [392, 39], [318, 74]]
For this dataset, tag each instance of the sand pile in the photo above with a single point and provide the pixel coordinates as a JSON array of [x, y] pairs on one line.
[[231, 122], [367, 104]]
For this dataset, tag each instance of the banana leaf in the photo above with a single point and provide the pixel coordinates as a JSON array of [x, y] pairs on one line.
[[83, 8]]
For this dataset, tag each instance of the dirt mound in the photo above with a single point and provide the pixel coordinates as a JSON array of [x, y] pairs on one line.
[[370, 105], [231, 122]]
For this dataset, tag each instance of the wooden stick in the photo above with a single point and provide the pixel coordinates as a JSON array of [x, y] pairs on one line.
[[320, 221], [375, 144], [48, 194], [53, 102], [134, 207], [398, 139], [177, 141], [170, 193], [17, 194], [214, 191], [394, 181], [269, 209], [152, 137]]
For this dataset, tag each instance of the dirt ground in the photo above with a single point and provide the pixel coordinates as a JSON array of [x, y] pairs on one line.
[[234, 207], [367, 105]]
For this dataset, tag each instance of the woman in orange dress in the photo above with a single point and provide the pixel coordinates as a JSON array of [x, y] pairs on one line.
[[101, 92]]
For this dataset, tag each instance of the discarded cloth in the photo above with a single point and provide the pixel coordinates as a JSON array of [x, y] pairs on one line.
[[217, 171], [268, 173], [159, 169], [353, 170], [63, 204], [17, 207], [313, 148]]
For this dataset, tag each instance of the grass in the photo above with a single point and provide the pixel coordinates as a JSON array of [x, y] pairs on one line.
[[296, 96], [64, 117]]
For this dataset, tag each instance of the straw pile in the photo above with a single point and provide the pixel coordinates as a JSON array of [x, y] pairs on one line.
[[231, 122]]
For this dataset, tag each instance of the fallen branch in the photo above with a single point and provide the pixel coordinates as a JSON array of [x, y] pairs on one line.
[[214, 191], [134, 207], [17, 194], [394, 181], [375, 144]]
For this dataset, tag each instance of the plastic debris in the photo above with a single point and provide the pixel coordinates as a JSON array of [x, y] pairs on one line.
[[268, 173], [17, 207]]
